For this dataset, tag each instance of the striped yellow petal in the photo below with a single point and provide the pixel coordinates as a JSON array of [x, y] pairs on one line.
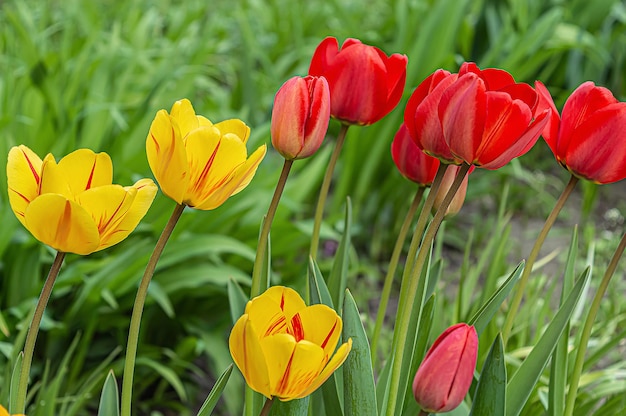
[[302, 369], [320, 325], [236, 127], [184, 114], [338, 359], [238, 181], [273, 310], [53, 179], [24, 176], [167, 157], [84, 169], [212, 162], [62, 224], [247, 353]]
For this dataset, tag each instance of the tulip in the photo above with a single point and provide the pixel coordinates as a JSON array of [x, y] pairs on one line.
[[444, 377], [196, 162], [283, 348], [72, 205], [412, 163], [484, 117], [3, 412], [365, 84], [300, 116], [446, 182], [589, 138]]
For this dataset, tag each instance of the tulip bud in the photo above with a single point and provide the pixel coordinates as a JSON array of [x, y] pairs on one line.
[[412, 163], [444, 187], [445, 375], [300, 116]]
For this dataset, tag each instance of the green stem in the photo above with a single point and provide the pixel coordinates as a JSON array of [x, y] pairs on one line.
[[140, 300], [534, 253], [404, 317], [391, 271], [266, 407], [257, 287], [33, 330], [586, 332], [423, 413], [321, 201]]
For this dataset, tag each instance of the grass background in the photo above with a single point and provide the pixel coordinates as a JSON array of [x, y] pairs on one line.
[[93, 74]]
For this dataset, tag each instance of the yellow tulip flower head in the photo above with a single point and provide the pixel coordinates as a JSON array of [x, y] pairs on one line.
[[196, 162], [72, 205], [3, 412], [283, 348]]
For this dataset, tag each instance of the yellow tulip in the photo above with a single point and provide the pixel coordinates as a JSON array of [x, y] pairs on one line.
[[3, 412], [72, 205], [196, 162], [283, 348]]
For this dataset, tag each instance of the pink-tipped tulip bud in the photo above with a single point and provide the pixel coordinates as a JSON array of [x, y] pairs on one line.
[[459, 198], [300, 116], [445, 375]]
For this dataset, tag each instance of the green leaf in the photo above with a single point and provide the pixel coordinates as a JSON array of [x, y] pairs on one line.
[[489, 399], [481, 319], [156, 292], [109, 399], [558, 363], [319, 290], [15, 379], [298, 407], [358, 377], [339, 273], [216, 392], [167, 373], [523, 381], [3, 326], [237, 300]]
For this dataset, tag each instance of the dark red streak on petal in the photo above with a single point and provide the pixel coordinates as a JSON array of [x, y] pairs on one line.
[[32, 168], [332, 330], [93, 168], [298, 330]]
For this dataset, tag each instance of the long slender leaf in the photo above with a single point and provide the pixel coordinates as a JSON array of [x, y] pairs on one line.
[[216, 392], [15, 379], [489, 399], [358, 376], [319, 290], [109, 399], [523, 381], [339, 273], [299, 407], [237, 300]]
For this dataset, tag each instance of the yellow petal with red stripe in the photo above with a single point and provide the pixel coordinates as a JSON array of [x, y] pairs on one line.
[[85, 169], [321, 326], [62, 224], [340, 356], [24, 176]]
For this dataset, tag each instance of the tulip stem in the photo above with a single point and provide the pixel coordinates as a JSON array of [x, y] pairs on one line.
[[586, 332], [405, 308], [140, 300], [33, 330], [257, 287], [423, 413], [321, 201], [534, 253], [391, 271], [266, 407]]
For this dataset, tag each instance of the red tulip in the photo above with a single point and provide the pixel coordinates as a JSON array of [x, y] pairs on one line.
[[486, 118], [589, 139], [444, 377], [365, 84], [300, 116], [412, 163]]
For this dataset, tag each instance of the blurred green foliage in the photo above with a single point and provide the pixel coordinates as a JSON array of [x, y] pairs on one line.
[[93, 74]]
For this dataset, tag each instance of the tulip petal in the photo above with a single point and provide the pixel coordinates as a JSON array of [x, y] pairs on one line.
[[53, 179], [298, 370], [185, 116], [323, 56], [273, 310], [167, 157], [236, 127], [83, 169], [318, 324], [462, 111], [62, 224], [237, 182], [24, 177], [338, 359], [596, 148], [551, 131], [247, 353], [3, 411]]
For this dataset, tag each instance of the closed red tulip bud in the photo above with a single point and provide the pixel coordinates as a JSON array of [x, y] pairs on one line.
[[412, 163], [459, 198], [486, 118], [444, 377], [589, 138], [300, 116], [365, 84]]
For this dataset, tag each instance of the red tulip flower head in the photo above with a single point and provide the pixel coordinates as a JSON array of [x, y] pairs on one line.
[[483, 116], [365, 83], [589, 138], [444, 377], [412, 163], [300, 116]]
